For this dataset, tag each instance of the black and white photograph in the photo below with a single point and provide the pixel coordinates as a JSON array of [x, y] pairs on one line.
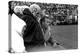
[[41, 26]]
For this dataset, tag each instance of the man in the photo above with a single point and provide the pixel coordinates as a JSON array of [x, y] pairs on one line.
[[33, 35], [41, 17], [45, 24], [16, 29]]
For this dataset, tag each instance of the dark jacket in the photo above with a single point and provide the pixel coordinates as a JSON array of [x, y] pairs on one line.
[[33, 33]]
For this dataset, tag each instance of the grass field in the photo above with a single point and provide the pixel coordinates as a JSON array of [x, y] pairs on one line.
[[66, 35]]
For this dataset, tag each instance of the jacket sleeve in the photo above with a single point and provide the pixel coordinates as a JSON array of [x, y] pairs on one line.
[[27, 35]]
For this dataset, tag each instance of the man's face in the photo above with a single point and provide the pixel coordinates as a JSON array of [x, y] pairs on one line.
[[34, 13], [47, 21]]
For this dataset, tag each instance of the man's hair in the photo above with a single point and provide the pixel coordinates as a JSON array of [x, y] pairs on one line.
[[35, 8], [26, 11], [20, 9]]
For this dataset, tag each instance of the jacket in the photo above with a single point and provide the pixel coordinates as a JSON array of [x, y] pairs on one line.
[[33, 33]]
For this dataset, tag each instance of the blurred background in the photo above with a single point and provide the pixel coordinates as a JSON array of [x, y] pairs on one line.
[[61, 14]]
